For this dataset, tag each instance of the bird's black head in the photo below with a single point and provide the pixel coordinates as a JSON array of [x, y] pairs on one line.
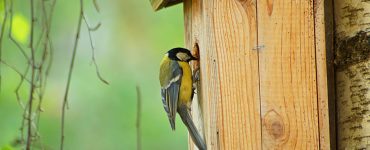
[[180, 54]]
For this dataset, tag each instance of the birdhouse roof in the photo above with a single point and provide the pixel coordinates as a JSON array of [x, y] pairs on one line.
[[159, 4]]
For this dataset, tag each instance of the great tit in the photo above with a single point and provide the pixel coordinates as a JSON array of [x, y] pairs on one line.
[[177, 90]]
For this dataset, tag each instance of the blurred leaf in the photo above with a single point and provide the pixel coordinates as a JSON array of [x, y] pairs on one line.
[[2, 14], [20, 28], [2, 7], [7, 147]]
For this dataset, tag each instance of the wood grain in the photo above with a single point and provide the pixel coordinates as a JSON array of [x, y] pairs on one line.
[[264, 79], [190, 34], [322, 84], [325, 72], [287, 65], [226, 33]]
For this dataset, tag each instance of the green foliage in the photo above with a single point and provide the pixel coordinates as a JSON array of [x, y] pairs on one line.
[[7, 147], [1, 7], [20, 28]]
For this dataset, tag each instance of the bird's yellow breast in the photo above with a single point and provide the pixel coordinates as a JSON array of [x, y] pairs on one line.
[[186, 84]]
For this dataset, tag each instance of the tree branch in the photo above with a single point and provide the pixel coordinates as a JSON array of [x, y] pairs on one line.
[[91, 29], [138, 118], [32, 88], [65, 100], [10, 32], [2, 35]]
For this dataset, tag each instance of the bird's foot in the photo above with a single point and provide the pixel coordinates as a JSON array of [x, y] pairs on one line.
[[196, 77]]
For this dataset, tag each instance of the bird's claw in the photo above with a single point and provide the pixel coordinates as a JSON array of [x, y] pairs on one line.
[[196, 75], [196, 79]]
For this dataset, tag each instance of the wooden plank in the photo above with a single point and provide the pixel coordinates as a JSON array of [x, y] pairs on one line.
[[193, 31], [325, 72], [287, 63], [159, 4], [288, 81], [225, 31]]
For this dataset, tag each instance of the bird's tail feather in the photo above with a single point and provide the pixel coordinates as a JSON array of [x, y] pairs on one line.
[[172, 122], [195, 136]]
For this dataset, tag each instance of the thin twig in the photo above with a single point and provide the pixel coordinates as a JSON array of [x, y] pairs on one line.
[[2, 35], [50, 43], [21, 103], [138, 119], [47, 48], [43, 59], [10, 32], [45, 54], [24, 121], [65, 100], [39, 40], [50, 60], [96, 5], [51, 50], [91, 29], [32, 87], [37, 78], [3, 23], [23, 76]]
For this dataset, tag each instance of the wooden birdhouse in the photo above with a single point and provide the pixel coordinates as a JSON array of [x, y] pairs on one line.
[[266, 72]]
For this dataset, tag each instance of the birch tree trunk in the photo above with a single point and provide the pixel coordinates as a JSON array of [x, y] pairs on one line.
[[352, 50]]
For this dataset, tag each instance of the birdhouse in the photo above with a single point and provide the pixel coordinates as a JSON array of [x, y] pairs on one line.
[[266, 72]]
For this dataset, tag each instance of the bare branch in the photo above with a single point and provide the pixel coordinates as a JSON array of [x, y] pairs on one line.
[[32, 88], [94, 28], [40, 39], [65, 100], [38, 64], [49, 40], [47, 50], [90, 29], [138, 118], [46, 55], [24, 108], [96, 5], [2, 35], [38, 55], [23, 76], [10, 32]]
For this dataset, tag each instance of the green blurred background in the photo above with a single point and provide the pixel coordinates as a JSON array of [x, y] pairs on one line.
[[129, 47]]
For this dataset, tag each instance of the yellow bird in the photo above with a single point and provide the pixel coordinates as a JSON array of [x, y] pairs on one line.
[[177, 90]]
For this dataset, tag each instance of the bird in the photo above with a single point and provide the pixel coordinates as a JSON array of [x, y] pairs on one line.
[[177, 90]]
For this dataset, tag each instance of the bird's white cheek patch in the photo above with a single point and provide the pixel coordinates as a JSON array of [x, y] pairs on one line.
[[182, 56]]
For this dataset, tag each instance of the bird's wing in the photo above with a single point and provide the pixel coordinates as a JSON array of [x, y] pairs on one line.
[[170, 88]]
